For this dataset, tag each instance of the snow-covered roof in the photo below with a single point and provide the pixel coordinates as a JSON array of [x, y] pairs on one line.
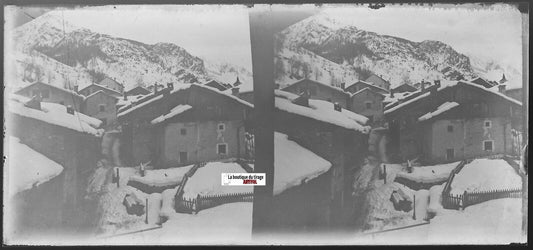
[[68, 91], [395, 97], [444, 84], [100, 92], [173, 112], [368, 84], [322, 111], [441, 109], [147, 99], [294, 164], [154, 97], [317, 82], [366, 89], [102, 87], [128, 101], [26, 167], [55, 114], [207, 180]]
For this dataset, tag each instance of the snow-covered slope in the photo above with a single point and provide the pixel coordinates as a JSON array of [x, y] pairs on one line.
[[358, 51], [93, 55]]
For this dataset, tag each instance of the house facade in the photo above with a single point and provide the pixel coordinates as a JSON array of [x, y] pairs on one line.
[[184, 126], [52, 94], [453, 121], [369, 103], [319, 91], [378, 81], [102, 106]]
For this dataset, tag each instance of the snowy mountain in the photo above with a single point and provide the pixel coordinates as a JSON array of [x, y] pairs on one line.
[[357, 51], [93, 55]]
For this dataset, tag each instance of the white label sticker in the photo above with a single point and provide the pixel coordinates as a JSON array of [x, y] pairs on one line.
[[243, 179]]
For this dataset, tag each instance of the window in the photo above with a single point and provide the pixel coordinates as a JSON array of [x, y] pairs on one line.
[[183, 157], [183, 131], [101, 107], [221, 127], [222, 148], [450, 154], [450, 128], [368, 105], [46, 93], [488, 146], [487, 124]]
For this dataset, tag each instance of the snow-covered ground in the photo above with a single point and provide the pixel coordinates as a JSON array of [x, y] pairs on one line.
[[208, 180], [225, 224], [26, 168], [485, 175]]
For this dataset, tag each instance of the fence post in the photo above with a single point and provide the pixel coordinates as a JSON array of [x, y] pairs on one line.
[[146, 218], [414, 206], [385, 173], [465, 201], [118, 177]]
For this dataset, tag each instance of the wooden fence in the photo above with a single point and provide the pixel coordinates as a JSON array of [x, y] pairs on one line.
[[450, 201], [203, 202]]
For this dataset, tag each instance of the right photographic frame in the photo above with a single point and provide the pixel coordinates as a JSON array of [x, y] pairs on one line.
[[391, 124]]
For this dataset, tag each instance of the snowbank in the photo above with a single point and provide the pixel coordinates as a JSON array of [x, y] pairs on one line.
[[225, 224], [322, 111], [422, 203], [55, 114], [294, 163], [207, 180], [485, 175], [162, 177], [492, 222], [173, 112], [435, 199], [26, 167], [429, 174]]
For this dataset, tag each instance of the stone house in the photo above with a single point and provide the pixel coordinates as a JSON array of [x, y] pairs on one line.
[[452, 121], [102, 106], [333, 133], [184, 125], [369, 103], [67, 137], [53, 94]]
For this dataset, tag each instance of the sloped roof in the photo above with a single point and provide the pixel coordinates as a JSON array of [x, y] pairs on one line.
[[102, 88], [71, 92], [320, 83], [368, 85], [419, 95], [100, 92], [322, 111]]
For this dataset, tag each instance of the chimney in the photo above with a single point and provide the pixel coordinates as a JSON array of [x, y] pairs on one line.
[[125, 96], [392, 93], [343, 86], [437, 83], [156, 88], [501, 88], [235, 91], [423, 86], [70, 109], [76, 88], [170, 86], [337, 107]]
